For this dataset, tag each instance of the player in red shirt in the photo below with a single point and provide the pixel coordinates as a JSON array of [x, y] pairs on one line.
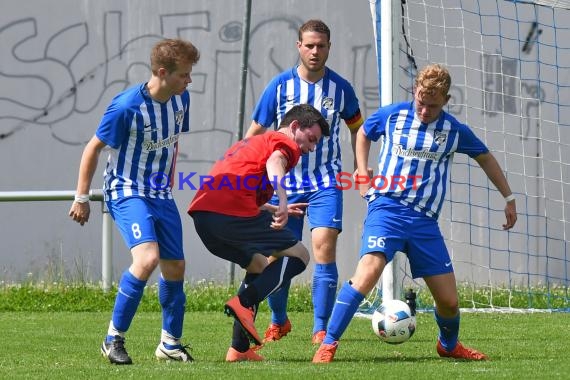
[[235, 223]]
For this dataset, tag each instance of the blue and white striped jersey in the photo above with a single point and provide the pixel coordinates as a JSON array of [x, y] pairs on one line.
[[143, 136], [336, 99], [415, 157]]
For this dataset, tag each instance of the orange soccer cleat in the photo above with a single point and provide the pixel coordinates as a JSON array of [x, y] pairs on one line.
[[319, 336], [275, 331], [234, 355], [245, 317], [460, 352], [325, 353]]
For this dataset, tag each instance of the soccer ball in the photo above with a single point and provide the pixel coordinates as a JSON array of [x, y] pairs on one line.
[[393, 322]]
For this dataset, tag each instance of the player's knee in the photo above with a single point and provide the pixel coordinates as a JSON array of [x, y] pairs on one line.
[[145, 257], [325, 256], [143, 268], [447, 308], [300, 251], [257, 264], [364, 282], [324, 244], [173, 269]]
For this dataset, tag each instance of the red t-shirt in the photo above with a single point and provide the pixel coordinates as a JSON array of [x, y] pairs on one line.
[[237, 184]]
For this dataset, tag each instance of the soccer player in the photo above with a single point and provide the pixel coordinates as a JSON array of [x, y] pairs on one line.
[[235, 223], [142, 126], [419, 140], [313, 180]]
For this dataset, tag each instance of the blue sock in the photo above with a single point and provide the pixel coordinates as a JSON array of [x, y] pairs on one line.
[[173, 301], [448, 330], [345, 306], [127, 301], [325, 281], [277, 302]]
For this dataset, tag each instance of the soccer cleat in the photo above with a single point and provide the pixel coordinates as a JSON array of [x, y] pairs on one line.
[[460, 352], [275, 331], [176, 352], [115, 351], [245, 317], [325, 353], [319, 336], [234, 355]]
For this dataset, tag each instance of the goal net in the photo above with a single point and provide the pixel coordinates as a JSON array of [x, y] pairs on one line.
[[509, 62]]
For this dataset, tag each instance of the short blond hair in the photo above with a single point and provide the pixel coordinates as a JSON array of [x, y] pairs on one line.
[[170, 53], [433, 79]]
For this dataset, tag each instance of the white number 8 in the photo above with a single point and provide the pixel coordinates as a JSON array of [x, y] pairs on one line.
[[376, 242], [136, 230]]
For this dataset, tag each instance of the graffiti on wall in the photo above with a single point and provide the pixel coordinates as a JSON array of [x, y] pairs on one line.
[[66, 83]]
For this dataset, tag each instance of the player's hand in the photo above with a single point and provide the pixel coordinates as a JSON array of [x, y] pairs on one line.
[[80, 212], [297, 210], [511, 214], [294, 209], [363, 182], [280, 217]]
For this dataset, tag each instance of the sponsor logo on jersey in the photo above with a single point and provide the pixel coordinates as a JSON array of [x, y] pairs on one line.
[[179, 117], [440, 137], [425, 154], [149, 146], [328, 103]]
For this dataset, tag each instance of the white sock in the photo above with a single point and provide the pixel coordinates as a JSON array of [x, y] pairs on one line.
[[112, 331], [165, 337]]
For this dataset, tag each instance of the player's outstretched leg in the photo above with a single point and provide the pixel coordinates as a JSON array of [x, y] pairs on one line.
[[275, 274], [245, 316], [240, 349], [347, 303]]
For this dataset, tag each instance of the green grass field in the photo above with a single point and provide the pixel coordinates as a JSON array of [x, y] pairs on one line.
[[65, 345]]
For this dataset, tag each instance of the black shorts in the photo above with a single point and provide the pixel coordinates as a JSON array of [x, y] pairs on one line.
[[237, 239]]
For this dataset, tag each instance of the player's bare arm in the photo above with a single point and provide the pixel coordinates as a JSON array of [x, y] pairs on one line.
[[491, 167], [80, 208], [255, 129], [276, 168], [362, 151]]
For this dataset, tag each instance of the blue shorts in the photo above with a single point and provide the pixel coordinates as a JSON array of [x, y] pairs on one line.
[[237, 238], [325, 210], [142, 220], [390, 227]]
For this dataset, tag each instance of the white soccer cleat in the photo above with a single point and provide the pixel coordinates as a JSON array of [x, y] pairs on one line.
[[173, 352]]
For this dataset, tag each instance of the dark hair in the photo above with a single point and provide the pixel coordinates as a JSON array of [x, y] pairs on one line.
[[306, 115], [314, 26], [170, 53]]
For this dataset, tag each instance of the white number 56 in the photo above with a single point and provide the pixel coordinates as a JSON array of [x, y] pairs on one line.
[[376, 242]]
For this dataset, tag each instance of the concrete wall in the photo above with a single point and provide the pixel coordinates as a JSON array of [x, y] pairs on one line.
[[61, 62]]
